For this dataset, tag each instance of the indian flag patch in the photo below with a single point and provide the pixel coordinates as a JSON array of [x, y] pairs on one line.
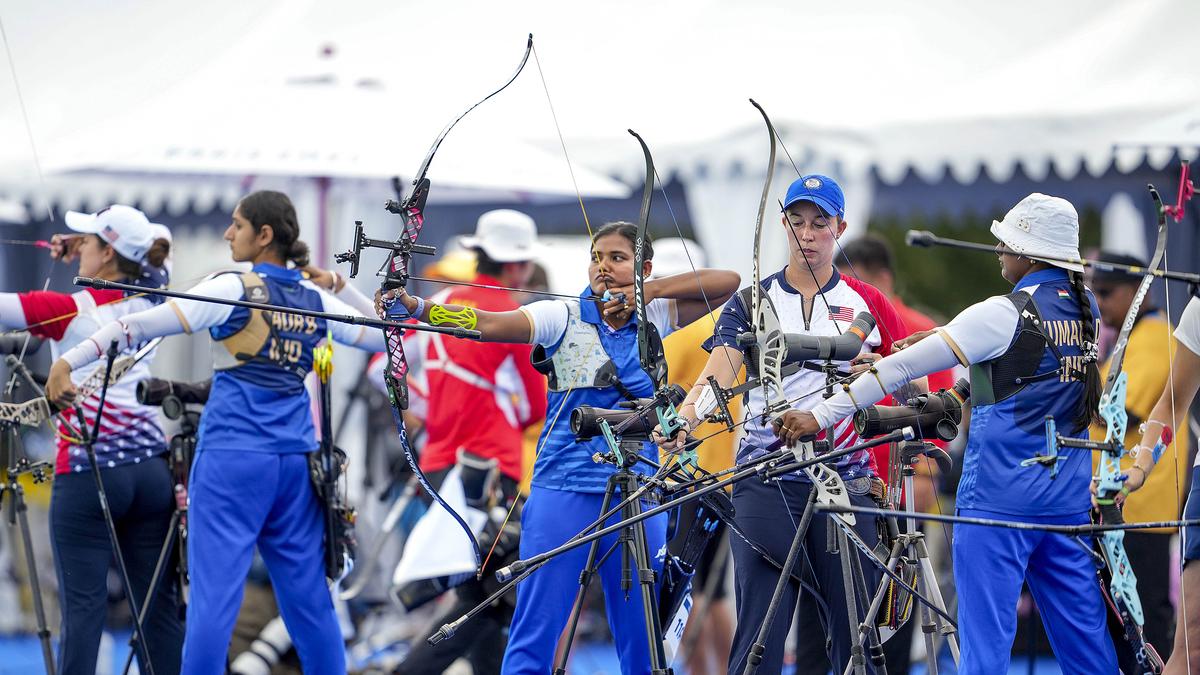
[[1063, 294]]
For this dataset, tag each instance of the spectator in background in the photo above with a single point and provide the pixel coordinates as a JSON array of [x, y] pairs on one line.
[[709, 633], [1149, 550], [117, 243]]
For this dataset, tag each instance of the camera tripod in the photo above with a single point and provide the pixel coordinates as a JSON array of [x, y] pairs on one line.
[[179, 458], [775, 463], [910, 558], [826, 488], [635, 555], [14, 467]]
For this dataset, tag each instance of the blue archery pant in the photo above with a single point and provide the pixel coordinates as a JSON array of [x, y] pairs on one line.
[[239, 500], [141, 500], [990, 565], [1191, 511], [544, 599], [762, 517]]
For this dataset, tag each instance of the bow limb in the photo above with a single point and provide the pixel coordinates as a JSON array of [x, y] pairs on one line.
[[1109, 480], [1177, 212], [411, 209]]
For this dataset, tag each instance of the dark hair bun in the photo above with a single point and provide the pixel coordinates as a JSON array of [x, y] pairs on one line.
[[158, 252], [298, 253]]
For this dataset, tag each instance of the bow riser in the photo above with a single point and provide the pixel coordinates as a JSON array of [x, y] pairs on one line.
[[412, 212]]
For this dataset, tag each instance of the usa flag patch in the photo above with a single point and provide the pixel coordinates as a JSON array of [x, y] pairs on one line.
[[109, 233], [840, 313]]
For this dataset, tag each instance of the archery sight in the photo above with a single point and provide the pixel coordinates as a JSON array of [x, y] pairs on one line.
[[401, 246]]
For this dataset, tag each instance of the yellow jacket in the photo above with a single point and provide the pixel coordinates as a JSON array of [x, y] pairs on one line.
[[1147, 366], [685, 361]]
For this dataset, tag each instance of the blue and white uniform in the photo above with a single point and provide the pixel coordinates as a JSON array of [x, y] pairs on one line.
[[768, 513], [250, 482], [568, 487], [990, 564]]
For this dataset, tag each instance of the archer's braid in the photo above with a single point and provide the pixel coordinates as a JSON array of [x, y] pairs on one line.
[[1090, 404]]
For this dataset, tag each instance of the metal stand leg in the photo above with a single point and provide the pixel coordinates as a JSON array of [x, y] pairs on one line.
[[646, 578], [759, 646], [857, 663], [910, 547], [164, 554], [585, 579], [18, 511]]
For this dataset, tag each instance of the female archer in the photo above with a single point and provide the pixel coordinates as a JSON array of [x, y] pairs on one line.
[[1032, 355], [117, 244], [250, 483], [588, 349], [812, 298]]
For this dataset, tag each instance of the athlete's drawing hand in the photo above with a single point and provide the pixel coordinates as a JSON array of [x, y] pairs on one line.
[[59, 388], [327, 279], [65, 247], [618, 302]]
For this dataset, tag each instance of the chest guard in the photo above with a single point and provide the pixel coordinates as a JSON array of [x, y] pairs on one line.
[[580, 361], [1000, 378], [241, 347]]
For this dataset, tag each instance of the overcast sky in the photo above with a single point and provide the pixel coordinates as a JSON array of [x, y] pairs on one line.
[[676, 71]]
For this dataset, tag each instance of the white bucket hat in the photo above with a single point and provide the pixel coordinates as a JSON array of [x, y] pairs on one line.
[[505, 236], [1041, 225], [125, 228]]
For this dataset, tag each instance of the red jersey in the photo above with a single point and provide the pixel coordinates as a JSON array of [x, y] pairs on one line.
[[914, 321], [480, 396]]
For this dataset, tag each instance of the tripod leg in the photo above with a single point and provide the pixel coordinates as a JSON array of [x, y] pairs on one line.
[[870, 632], [160, 565], [935, 593], [927, 625], [138, 634], [760, 644], [647, 581], [585, 579], [18, 497], [857, 662], [877, 600]]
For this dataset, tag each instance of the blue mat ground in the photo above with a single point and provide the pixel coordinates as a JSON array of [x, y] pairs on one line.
[[23, 656]]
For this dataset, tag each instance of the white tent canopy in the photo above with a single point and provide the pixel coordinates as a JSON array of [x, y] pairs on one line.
[[856, 86]]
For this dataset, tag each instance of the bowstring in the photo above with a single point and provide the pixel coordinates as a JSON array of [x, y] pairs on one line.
[[1172, 349], [548, 430], [929, 466]]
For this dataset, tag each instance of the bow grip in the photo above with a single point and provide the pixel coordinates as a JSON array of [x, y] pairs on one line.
[[1110, 513]]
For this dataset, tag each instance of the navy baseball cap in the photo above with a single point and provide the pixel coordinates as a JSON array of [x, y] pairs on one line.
[[820, 190]]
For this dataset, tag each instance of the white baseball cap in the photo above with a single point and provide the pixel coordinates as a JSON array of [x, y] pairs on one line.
[[674, 255], [125, 228], [1042, 225], [505, 236]]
